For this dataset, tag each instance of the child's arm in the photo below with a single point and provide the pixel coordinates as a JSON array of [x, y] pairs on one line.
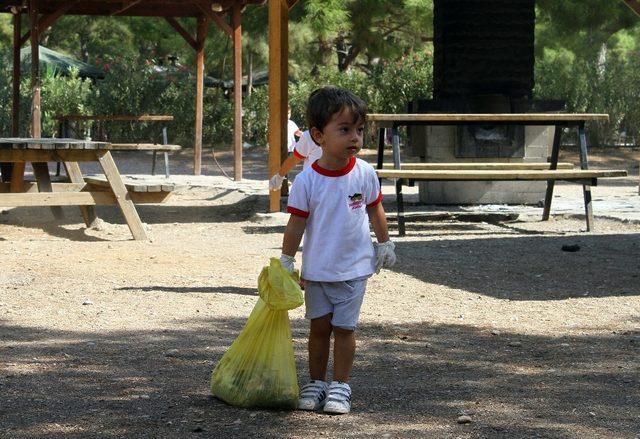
[[379, 222], [385, 254], [288, 164], [291, 240], [275, 183]]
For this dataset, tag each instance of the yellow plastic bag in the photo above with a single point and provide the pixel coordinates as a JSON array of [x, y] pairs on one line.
[[259, 368]]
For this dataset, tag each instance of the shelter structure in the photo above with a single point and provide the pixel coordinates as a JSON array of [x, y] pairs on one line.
[[60, 63], [42, 14]]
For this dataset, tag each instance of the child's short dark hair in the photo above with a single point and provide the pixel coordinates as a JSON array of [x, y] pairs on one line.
[[327, 101]]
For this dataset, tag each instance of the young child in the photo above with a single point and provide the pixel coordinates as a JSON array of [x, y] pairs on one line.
[[331, 203]]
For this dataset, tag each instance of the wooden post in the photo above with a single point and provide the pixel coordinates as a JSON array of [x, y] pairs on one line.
[[203, 24], [15, 126], [278, 96], [36, 123], [6, 168], [237, 92]]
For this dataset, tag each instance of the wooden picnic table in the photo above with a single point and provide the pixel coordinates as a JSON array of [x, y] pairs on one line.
[[76, 192], [66, 129], [558, 120]]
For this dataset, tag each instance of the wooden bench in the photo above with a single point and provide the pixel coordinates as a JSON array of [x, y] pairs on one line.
[[139, 191], [65, 129], [477, 166], [408, 176]]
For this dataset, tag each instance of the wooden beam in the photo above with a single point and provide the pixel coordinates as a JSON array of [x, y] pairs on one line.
[[634, 5], [278, 93], [46, 21], [215, 16], [36, 126], [292, 3], [129, 5], [187, 37], [203, 26], [7, 168], [15, 125], [237, 91]]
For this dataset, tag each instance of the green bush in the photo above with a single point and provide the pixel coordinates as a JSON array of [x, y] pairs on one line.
[[611, 87]]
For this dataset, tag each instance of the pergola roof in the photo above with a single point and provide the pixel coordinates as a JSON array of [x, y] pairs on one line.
[[133, 8]]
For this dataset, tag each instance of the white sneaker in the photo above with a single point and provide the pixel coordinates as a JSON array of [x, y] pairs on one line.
[[338, 398], [313, 395]]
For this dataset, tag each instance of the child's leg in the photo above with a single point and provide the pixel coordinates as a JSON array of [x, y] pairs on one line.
[[343, 352], [319, 346]]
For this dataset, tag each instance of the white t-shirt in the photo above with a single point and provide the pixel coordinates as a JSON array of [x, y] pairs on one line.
[[307, 150], [291, 138], [337, 239]]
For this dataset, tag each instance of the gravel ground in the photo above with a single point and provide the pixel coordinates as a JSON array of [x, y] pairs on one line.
[[486, 328]]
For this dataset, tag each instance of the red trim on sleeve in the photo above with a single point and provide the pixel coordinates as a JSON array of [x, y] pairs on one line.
[[297, 212], [376, 201], [334, 173], [297, 154]]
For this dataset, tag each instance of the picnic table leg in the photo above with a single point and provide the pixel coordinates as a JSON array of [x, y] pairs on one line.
[[75, 176], [555, 152], [400, 206], [41, 171], [586, 188], [165, 141], [396, 146], [17, 177], [123, 200], [396, 165], [380, 151]]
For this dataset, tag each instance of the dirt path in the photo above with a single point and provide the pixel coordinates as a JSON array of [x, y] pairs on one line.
[[102, 337]]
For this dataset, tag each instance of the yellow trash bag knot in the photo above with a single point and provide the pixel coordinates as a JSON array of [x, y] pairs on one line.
[[278, 288]]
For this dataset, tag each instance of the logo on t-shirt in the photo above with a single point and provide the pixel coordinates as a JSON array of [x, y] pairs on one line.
[[356, 201]]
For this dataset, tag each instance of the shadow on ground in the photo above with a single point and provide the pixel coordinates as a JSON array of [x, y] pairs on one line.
[[409, 381], [528, 267]]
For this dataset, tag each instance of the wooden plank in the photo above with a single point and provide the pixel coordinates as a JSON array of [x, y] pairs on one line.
[[136, 197], [634, 5], [33, 187], [278, 93], [52, 143], [41, 172], [237, 93], [142, 147], [122, 198], [215, 16], [481, 175], [178, 28], [202, 27], [56, 199], [41, 155], [154, 186], [36, 123], [46, 21], [75, 175], [488, 117], [476, 166], [117, 118]]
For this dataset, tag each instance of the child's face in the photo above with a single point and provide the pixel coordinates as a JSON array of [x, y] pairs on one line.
[[341, 138]]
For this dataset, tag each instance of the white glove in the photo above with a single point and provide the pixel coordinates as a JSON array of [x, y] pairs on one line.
[[287, 262], [385, 255], [275, 183]]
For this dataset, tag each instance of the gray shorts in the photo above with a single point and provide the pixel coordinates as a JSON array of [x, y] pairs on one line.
[[343, 299]]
